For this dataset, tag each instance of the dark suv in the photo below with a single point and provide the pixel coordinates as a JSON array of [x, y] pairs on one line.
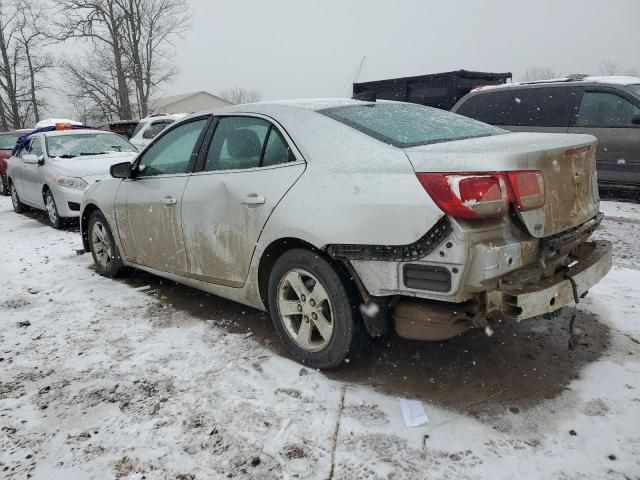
[[607, 107]]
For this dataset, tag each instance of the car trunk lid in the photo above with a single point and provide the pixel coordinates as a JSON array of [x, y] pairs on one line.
[[567, 163]]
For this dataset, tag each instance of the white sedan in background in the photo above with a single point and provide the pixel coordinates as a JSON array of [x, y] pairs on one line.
[[51, 170]]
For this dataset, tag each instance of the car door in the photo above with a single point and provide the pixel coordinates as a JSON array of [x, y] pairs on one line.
[[148, 205], [247, 165], [33, 174], [609, 115]]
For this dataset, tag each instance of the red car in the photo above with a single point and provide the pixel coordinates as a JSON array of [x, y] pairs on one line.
[[7, 142]]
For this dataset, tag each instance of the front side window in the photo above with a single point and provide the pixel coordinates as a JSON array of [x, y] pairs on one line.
[[35, 147], [172, 153], [635, 88], [246, 142], [84, 144], [604, 109], [407, 125]]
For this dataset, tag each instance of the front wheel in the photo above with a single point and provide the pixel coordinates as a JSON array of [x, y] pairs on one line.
[[313, 310], [103, 247], [18, 206], [55, 219]]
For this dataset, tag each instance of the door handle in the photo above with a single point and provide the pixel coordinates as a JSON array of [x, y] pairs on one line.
[[169, 201], [253, 199]]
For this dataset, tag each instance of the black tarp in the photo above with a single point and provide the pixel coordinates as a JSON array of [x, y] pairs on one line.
[[440, 90]]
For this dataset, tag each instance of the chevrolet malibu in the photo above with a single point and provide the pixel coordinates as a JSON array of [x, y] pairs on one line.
[[346, 218], [50, 169]]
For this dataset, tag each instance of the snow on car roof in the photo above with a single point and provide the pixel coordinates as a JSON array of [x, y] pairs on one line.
[[617, 79], [84, 131], [611, 79]]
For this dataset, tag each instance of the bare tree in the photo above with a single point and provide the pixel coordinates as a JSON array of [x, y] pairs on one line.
[[32, 36], [92, 86], [149, 28], [101, 22], [9, 59], [539, 73], [239, 95], [609, 67]]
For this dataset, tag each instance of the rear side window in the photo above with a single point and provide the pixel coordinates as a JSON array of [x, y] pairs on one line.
[[406, 125], [239, 143], [490, 107], [543, 107], [603, 109]]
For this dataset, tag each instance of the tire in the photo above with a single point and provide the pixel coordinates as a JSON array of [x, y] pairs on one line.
[[18, 206], [318, 334], [55, 220], [4, 188], [103, 247]]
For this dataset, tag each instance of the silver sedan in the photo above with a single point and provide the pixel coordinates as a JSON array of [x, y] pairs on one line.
[[346, 218]]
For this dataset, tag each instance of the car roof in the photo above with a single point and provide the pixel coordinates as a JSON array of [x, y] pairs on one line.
[[284, 107], [617, 80]]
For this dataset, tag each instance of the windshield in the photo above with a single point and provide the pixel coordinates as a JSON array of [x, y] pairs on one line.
[[7, 142], [635, 88], [140, 126], [69, 146], [406, 125]]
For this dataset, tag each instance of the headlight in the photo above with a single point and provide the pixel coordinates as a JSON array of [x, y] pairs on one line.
[[71, 182]]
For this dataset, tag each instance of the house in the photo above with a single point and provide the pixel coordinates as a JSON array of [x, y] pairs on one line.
[[186, 103]]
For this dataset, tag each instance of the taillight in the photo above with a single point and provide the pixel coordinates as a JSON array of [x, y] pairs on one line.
[[528, 190], [482, 195], [467, 195]]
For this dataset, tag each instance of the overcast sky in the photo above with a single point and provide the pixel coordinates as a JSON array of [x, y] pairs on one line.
[[312, 48]]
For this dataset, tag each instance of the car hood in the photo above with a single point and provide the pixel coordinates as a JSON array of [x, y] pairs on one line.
[[90, 167]]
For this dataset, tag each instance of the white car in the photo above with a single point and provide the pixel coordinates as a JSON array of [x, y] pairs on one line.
[[148, 128], [429, 221], [51, 169]]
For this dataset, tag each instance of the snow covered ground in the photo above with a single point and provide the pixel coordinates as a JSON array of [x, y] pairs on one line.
[[100, 380]]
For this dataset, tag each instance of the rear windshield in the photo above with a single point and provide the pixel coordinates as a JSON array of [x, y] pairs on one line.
[[407, 125], [635, 88], [7, 142]]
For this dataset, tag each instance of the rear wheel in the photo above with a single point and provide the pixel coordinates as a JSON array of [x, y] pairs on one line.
[[313, 310], [55, 219], [103, 247], [18, 206]]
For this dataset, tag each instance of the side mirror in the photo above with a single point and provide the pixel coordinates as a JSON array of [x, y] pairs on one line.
[[635, 120], [121, 170], [30, 158]]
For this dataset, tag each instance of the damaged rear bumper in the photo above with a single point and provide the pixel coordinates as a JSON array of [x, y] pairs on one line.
[[592, 263]]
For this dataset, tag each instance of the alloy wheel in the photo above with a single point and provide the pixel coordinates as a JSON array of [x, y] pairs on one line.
[[51, 208], [305, 310], [14, 197], [101, 245]]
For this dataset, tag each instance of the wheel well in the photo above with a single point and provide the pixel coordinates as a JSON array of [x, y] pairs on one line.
[[84, 222], [275, 250], [45, 187]]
